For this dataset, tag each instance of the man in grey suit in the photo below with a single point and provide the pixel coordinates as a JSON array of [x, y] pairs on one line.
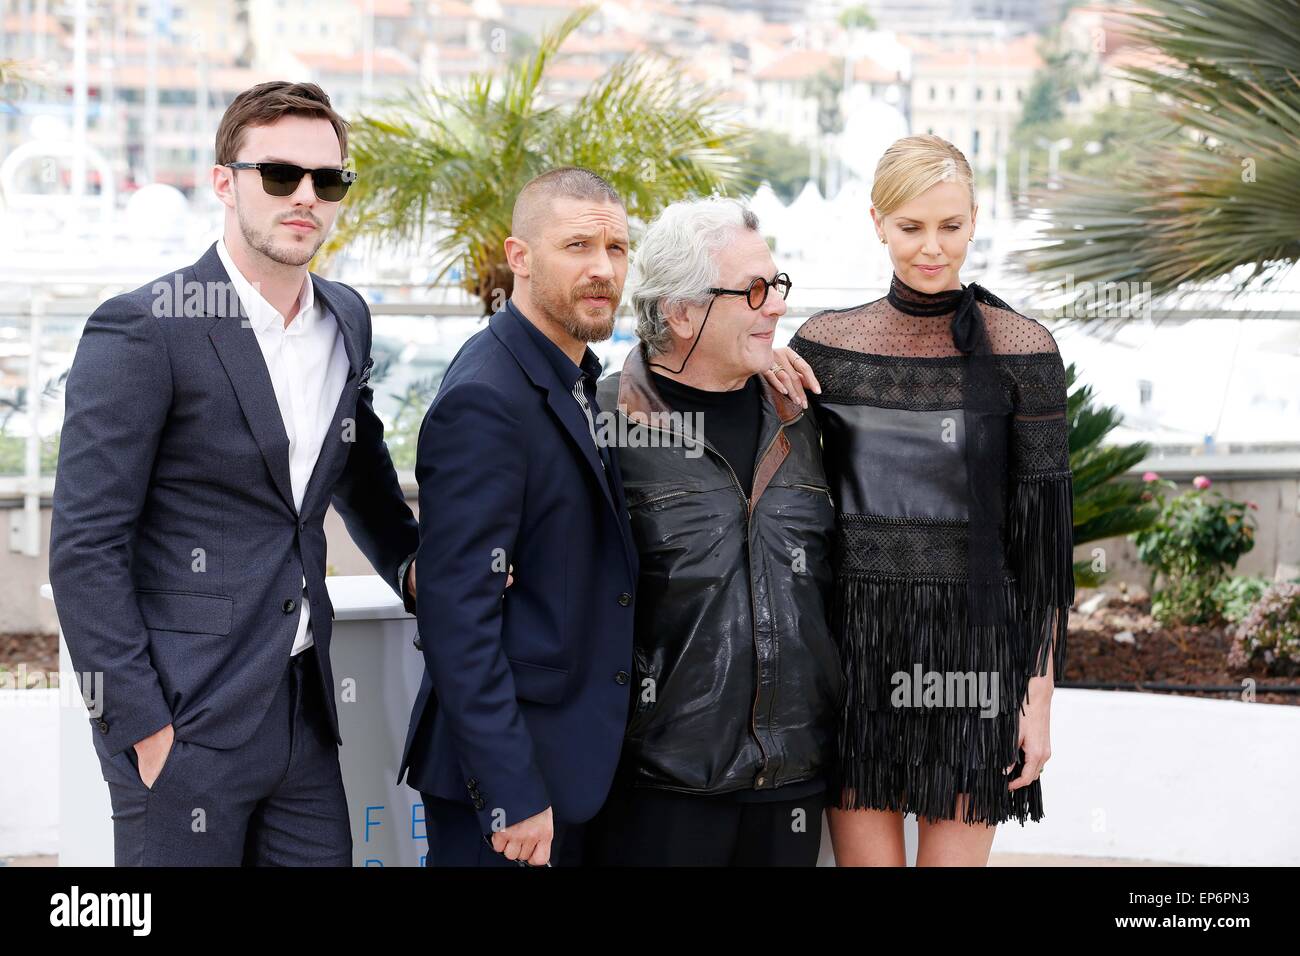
[[212, 417]]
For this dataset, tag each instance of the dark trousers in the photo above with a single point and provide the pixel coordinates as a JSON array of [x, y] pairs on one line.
[[641, 826], [275, 800], [456, 838]]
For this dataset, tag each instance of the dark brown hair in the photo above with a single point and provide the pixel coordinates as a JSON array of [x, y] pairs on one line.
[[265, 103]]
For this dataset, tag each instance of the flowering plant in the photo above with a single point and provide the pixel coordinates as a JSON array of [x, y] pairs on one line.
[[1271, 631], [1192, 546]]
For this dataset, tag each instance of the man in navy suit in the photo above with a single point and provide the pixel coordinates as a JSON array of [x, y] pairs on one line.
[[212, 418], [516, 732]]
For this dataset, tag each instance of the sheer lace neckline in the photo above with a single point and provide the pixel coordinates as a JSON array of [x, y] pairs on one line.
[[911, 301], [891, 326]]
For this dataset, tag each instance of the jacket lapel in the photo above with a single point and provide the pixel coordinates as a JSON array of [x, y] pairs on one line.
[[335, 446], [236, 345], [638, 399], [620, 509], [562, 403], [773, 445], [565, 407]]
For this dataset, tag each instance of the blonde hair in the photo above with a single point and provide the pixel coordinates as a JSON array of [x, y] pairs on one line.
[[912, 165]]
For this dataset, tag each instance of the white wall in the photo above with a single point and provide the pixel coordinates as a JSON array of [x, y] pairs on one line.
[[29, 772]]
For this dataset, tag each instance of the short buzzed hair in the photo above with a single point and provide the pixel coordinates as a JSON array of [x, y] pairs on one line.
[[534, 200]]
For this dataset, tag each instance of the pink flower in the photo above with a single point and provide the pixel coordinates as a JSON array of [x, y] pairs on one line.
[[1150, 476], [1200, 481]]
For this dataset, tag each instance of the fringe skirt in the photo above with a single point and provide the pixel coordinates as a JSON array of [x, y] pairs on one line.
[[917, 730]]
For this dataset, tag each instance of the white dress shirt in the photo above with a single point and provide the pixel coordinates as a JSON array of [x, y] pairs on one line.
[[308, 366]]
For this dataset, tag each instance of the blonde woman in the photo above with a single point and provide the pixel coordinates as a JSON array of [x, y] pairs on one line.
[[943, 413]]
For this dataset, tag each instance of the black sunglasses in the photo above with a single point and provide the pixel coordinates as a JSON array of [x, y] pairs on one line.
[[282, 179], [756, 294]]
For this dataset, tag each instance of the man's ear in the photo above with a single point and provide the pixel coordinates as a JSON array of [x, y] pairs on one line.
[[223, 185], [679, 321], [517, 256]]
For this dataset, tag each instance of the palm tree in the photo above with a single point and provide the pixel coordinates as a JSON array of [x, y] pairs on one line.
[[1216, 189], [1105, 503], [448, 165]]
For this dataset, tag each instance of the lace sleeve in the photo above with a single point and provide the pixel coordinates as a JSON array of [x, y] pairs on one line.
[[1040, 518]]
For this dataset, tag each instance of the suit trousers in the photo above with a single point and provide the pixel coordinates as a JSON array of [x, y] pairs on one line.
[[275, 800]]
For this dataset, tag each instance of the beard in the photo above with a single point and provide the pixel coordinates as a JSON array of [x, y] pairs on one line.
[[288, 254], [565, 308]]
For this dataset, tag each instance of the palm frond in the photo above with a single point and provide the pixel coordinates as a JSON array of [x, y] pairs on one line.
[[441, 170], [1213, 193], [1106, 502]]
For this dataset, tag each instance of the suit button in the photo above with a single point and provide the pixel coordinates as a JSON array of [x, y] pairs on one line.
[[625, 599], [302, 526], [419, 645], [289, 605], [102, 725], [621, 677]]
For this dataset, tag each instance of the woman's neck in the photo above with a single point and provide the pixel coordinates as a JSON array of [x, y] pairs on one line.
[[912, 301]]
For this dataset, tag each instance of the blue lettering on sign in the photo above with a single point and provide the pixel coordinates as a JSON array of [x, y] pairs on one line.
[[369, 823]]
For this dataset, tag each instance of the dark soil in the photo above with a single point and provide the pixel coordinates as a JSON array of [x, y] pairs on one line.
[[1196, 654], [1187, 654], [40, 652]]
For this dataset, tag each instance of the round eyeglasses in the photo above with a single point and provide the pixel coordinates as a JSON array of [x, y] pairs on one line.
[[756, 293]]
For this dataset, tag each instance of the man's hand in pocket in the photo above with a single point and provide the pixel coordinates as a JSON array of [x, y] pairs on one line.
[[151, 754]]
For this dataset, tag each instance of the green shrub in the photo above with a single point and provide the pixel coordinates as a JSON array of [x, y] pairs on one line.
[[1234, 597], [1194, 543]]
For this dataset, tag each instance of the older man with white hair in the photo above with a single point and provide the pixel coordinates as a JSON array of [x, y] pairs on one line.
[[738, 683]]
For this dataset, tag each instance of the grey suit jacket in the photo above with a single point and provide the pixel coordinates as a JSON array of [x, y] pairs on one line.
[[176, 554]]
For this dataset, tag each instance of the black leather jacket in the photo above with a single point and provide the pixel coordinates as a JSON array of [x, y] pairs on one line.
[[738, 681]]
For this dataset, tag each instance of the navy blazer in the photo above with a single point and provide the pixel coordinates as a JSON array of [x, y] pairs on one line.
[[525, 694], [177, 557]]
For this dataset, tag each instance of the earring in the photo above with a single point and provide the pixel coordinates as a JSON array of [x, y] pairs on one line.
[[884, 241]]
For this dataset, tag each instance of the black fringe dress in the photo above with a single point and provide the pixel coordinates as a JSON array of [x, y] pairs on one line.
[[900, 456]]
